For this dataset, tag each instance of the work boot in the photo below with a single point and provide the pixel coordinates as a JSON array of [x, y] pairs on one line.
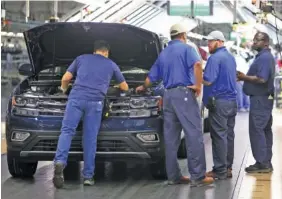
[[229, 173], [271, 167], [217, 176], [182, 180], [88, 182], [258, 168], [203, 182], [58, 179]]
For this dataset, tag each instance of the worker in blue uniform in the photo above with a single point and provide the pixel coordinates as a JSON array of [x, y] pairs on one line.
[[220, 97], [93, 74], [259, 85], [180, 68]]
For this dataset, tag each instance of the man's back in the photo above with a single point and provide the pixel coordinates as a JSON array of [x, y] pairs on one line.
[[176, 64], [224, 86], [93, 74]]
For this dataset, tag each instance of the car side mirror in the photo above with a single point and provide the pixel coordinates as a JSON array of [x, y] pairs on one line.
[[25, 70]]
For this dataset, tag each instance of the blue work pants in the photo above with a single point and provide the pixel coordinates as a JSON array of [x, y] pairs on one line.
[[181, 111], [222, 122], [260, 128], [90, 112]]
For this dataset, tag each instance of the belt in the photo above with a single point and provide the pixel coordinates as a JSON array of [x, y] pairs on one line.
[[262, 95], [181, 87], [176, 87]]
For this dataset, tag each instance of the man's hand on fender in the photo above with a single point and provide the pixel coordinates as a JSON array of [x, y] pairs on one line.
[[197, 89]]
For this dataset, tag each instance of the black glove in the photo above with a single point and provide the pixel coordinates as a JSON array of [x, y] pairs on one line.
[[106, 110]]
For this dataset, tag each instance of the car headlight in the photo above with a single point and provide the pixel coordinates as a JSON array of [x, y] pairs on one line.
[[144, 102], [19, 101], [26, 102]]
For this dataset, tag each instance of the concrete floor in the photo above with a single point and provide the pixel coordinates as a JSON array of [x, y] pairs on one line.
[[265, 186]]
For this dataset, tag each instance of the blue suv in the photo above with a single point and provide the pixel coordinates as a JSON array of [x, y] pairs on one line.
[[132, 129]]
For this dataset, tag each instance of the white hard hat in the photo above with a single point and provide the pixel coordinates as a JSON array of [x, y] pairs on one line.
[[215, 35], [177, 29]]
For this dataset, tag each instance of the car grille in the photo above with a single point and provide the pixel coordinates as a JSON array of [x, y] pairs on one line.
[[76, 145]]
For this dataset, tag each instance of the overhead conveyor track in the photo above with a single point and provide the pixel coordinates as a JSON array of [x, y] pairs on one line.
[[113, 10], [102, 11], [117, 11], [137, 13], [145, 13]]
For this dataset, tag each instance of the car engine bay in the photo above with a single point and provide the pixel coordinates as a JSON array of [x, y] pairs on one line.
[[44, 97]]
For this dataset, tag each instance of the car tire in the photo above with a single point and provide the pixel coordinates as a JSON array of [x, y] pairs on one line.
[[20, 169], [158, 169], [72, 171], [99, 169], [202, 118], [182, 152], [206, 125]]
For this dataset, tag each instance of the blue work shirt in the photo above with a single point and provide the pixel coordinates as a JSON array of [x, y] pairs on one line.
[[175, 65], [221, 72], [93, 75], [262, 67]]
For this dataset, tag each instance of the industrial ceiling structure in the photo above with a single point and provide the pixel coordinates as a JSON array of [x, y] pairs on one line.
[[152, 15]]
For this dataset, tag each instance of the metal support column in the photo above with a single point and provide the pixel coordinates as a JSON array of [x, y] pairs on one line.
[[235, 12], [55, 9], [27, 11]]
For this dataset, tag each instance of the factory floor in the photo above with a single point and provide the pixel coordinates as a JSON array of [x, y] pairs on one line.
[[134, 181]]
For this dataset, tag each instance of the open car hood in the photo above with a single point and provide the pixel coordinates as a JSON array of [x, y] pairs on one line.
[[57, 44]]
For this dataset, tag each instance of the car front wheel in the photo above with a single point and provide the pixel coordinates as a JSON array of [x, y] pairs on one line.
[[20, 169], [158, 169], [206, 125], [182, 152]]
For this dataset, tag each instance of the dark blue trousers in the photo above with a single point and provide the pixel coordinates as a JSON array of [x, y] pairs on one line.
[[90, 112], [260, 128], [222, 121], [181, 111]]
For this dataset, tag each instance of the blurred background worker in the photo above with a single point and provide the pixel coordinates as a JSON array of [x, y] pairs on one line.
[[175, 66], [243, 100], [220, 99], [259, 85], [93, 75]]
